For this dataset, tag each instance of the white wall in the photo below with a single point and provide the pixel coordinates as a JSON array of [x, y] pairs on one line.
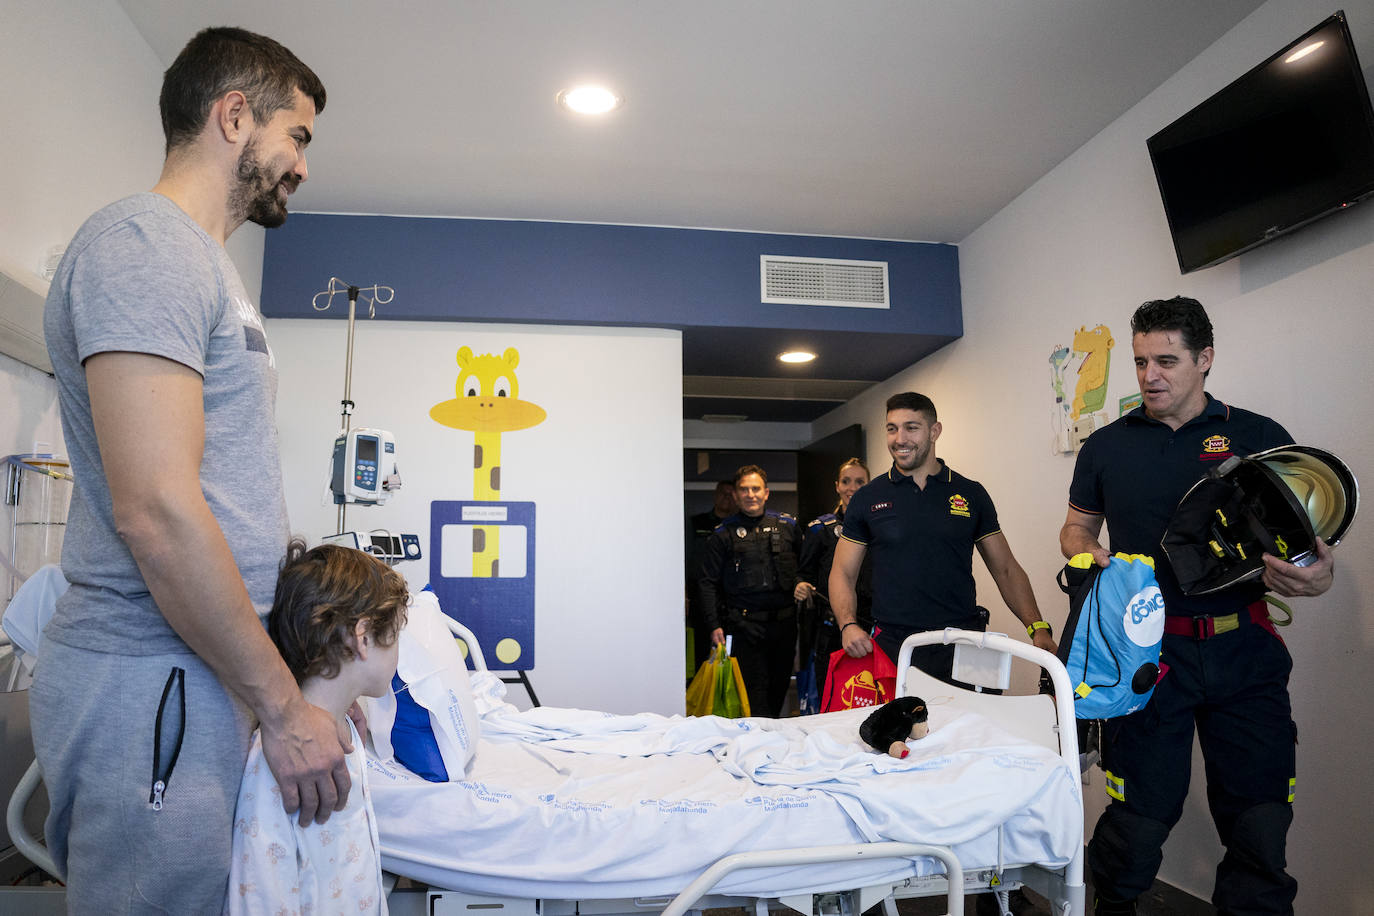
[[1084, 246], [82, 128], [82, 121], [604, 470]]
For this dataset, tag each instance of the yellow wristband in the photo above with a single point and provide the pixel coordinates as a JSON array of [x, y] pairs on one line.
[[1039, 625]]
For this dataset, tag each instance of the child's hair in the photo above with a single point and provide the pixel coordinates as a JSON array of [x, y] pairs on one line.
[[321, 595]]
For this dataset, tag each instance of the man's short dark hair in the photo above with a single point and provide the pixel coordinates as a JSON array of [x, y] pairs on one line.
[[321, 595], [911, 400], [751, 469], [220, 60], [1187, 316]]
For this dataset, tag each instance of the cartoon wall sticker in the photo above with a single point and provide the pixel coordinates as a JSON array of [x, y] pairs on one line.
[[1086, 363], [485, 580]]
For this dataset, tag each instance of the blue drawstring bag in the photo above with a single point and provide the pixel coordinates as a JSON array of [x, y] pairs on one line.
[[1111, 641], [808, 695]]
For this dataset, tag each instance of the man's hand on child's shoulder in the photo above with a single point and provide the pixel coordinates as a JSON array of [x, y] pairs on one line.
[[306, 752]]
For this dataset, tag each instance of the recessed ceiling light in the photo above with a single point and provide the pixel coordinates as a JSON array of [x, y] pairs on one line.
[[589, 100], [1303, 52], [796, 356]]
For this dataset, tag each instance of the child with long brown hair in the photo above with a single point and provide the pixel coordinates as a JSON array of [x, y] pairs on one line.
[[336, 620]]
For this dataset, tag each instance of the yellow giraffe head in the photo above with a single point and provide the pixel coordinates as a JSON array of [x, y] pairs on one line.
[[487, 396], [1094, 341]]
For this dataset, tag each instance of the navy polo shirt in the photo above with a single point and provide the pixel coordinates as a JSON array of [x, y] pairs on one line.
[[921, 543], [1134, 471]]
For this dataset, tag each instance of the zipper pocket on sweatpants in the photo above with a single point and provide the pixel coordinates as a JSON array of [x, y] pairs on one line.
[[168, 732]]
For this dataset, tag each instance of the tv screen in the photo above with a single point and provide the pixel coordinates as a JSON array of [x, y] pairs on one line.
[[1288, 142]]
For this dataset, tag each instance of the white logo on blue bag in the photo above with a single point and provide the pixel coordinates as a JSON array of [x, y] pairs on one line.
[[1144, 618]]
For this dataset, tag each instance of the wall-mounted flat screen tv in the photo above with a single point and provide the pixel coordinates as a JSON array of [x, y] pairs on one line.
[[1288, 142]]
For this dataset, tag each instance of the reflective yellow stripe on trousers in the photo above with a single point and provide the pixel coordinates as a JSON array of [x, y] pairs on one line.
[[1116, 786]]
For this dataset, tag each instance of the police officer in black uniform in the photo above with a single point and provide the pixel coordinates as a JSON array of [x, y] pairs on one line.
[[819, 635], [747, 586]]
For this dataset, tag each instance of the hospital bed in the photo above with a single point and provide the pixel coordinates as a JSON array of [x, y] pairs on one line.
[[776, 814], [572, 812]]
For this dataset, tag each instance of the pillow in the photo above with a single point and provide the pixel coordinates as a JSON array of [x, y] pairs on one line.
[[430, 722]]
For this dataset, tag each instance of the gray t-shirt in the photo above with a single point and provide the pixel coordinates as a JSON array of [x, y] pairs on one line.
[[142, 276]]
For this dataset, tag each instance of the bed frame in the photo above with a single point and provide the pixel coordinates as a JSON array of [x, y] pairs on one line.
[[1034, 718], [984, 660]]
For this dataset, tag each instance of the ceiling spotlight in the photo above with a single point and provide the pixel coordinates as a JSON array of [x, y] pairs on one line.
[[796, 356], [589, 100], [1303, 52]]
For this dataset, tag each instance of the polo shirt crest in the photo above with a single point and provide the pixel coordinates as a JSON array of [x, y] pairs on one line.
[[958, 506], [1215, 448]]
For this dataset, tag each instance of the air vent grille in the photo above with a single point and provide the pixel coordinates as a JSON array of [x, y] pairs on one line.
[[822, 281]]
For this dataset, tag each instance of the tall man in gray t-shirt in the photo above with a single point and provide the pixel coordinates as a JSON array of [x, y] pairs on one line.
[[156, 665]]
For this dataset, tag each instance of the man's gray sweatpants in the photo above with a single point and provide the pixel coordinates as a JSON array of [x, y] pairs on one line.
[[96, 733]]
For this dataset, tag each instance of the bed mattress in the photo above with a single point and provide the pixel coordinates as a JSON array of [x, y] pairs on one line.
[[570, 804]]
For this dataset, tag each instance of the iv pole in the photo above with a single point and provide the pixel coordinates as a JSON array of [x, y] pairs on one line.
[[371, 296]]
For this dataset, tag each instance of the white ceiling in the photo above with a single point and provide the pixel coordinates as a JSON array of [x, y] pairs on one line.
[[903, 119]]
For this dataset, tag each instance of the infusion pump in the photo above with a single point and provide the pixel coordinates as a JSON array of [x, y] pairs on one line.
[[364, 467]]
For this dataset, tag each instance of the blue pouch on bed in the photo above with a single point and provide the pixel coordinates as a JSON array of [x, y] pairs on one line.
[[412, 738], [1111, 641], [429, 721]]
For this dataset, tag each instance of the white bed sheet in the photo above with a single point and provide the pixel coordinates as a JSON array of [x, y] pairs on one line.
[[569, 804]]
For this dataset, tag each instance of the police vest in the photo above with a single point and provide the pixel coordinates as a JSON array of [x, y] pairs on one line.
[[828, 528], [761, 558]]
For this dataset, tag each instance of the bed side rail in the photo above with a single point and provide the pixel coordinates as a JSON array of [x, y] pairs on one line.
[[708, 879], [27, 845], [1065, 741], [469, 638], [1064, 728]]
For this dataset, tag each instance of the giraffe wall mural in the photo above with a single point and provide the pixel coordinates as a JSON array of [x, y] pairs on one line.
[[487, 404]]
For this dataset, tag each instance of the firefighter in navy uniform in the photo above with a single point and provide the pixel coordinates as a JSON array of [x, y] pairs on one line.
[[922, 523], [819, 636], [1227, 671], [747, 586]]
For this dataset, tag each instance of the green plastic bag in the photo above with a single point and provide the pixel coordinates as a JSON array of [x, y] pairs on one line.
[[718, 688]]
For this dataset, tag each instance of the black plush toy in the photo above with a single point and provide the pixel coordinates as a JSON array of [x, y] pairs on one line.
[[890, 725]]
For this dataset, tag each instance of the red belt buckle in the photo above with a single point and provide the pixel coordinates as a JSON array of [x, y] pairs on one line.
[[1204, 627]]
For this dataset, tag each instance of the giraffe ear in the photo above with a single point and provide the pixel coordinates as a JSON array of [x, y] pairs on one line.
[[512, 357], [464, 356]]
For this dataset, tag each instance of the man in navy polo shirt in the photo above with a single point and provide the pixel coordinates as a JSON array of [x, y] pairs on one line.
[[922, 522], [1225, 669]]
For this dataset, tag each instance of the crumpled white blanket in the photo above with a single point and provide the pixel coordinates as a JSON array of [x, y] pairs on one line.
[[570, 798]]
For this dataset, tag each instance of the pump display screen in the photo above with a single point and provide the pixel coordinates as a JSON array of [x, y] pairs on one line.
[[367, 449]]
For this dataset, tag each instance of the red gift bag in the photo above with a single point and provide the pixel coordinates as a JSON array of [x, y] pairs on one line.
[[854, 682]]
